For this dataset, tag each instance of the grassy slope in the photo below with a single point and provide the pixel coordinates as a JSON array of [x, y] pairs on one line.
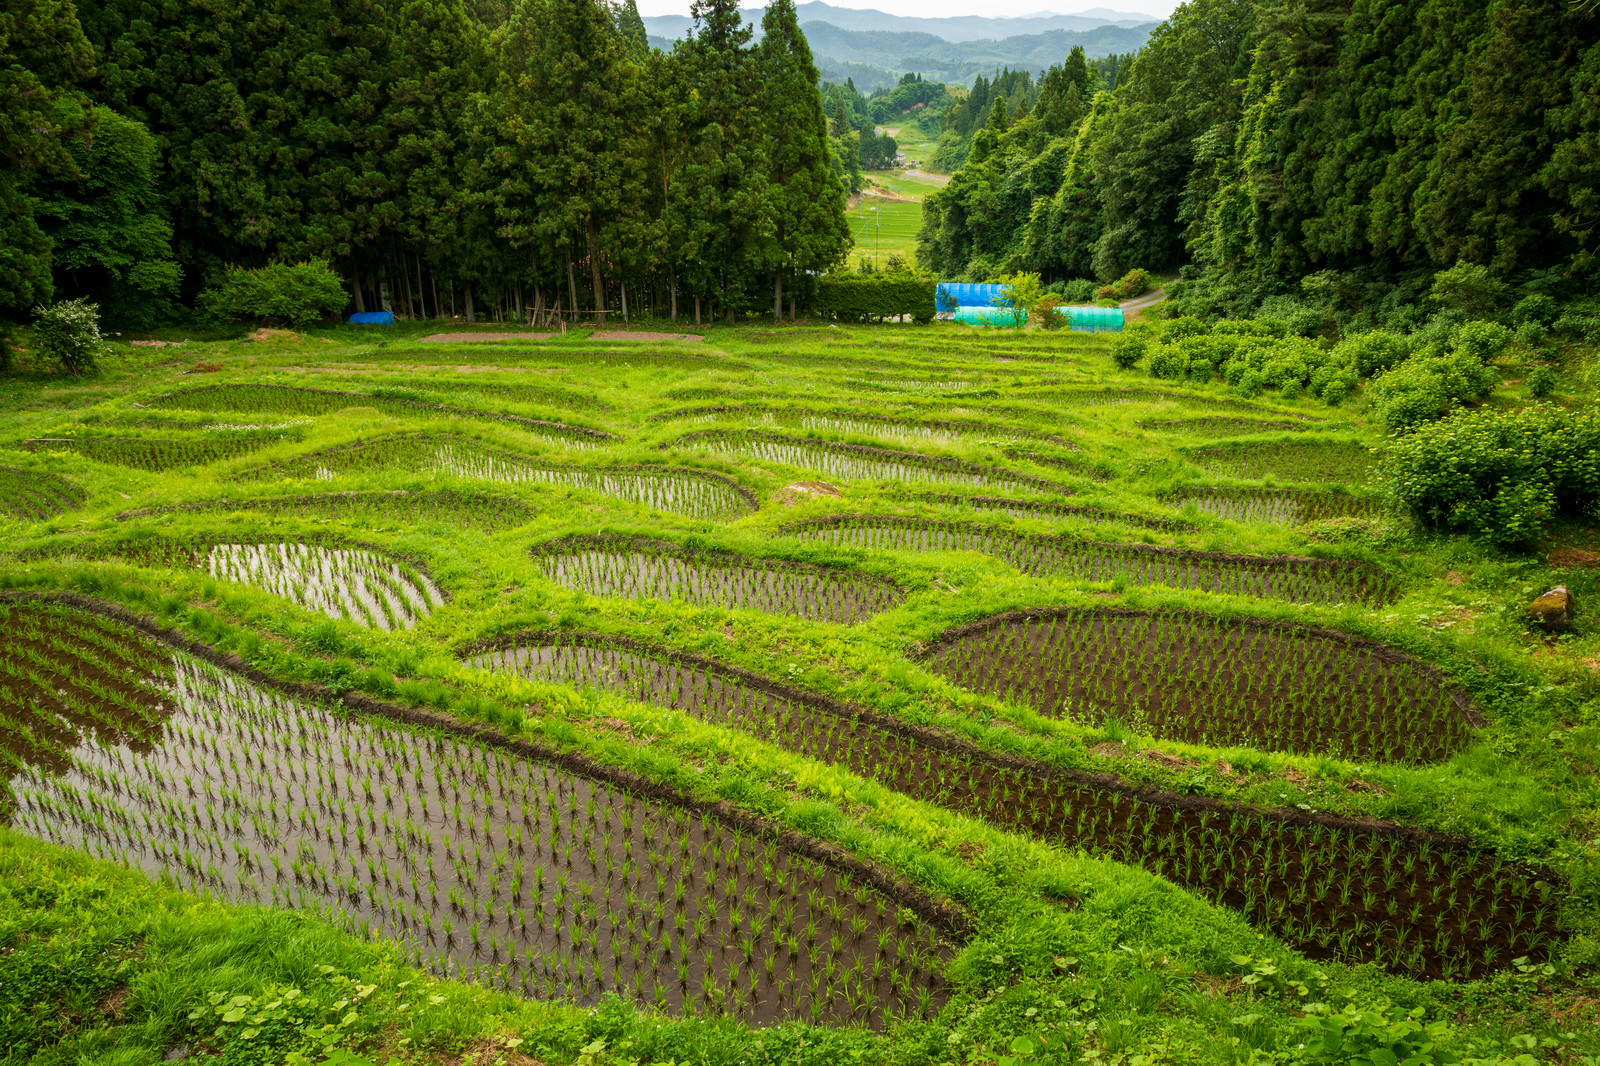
[[1154, 969]]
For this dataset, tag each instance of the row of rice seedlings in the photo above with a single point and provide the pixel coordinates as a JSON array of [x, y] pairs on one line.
[[1283, 577], [358, 582], [693, 493], [1412, 904], [1049, 511], [1119, 397], [1283, 506], [486, 864], [1307, 460], [34, 495], [934, 385], [397, 506], [638, 569], [510, 392], [168, 453], [581, 355], [696, 393], [1195, 677], [859, 462], [1072, 464], [941, 431], [110, 695], [1220, 427], [299, 400]]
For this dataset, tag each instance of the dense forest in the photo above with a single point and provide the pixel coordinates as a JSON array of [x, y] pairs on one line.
[[1304, 148], [442, 155]]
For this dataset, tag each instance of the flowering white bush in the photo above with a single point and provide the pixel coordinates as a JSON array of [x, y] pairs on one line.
[[69, 333]]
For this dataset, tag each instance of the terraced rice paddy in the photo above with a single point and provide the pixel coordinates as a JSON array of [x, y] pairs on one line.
[[163, 453], [639, 569], [1050, 511], [393, 507], [939, 431], [1220, 427], [34, 495], [1295, 579], [1307, 461], [485, 861], [296, 400], [692, 493], [1206, 680], [858, 462], [1281, 506], [341, 580], [1335, 891]]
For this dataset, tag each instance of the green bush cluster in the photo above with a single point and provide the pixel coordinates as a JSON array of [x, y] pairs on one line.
[[1501, 476], [1249, 357], [874, 297], [68, 334], [1135, 282], [287, 294], [1439, 377]]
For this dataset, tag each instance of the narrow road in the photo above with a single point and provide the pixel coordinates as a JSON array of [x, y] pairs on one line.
[[1139, 304]]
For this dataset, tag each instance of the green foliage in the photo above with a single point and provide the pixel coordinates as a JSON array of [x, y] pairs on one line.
[[1499, 476], [875, 297], [1135, 282], [1372, 352], [1129, 349], [1541, 381], [1019, 293], [297, 294], [1469, 288], [68, 334], [1430, 384]]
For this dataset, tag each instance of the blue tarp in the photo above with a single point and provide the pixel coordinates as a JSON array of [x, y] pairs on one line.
[[953, 294], [373, 318]]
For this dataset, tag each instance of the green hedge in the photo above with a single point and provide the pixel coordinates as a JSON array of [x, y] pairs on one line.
[[873, 297]]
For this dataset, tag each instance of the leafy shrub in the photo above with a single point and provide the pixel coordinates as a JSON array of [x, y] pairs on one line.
[[1373, 352], [1018, 292], [1536, 309], [853, 298], [292, 294], [1469, 288], [1484, 341], [1176, 329], [1541, 382], [1501, 476], [1427, 387], [1076, 291], [1045, 312], [1130, 346], [1135, 282], [68, 334]]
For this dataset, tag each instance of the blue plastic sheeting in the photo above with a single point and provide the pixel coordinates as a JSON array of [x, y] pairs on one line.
[[953, 294], [373, 318]]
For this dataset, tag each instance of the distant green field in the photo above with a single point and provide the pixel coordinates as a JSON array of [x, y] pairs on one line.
[[883, 228]]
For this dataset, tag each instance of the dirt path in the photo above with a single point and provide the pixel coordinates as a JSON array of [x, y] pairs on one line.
[[1136, 307], [464, 338], [923, 175]]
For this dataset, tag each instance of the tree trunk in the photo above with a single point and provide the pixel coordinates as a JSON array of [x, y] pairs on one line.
[[777, 297], [572, 284], [438, 308], [422, 293], [623, 285], [594, 271], [697, 309], [355, 291], [672, 285], [467, 300], [538, 303]]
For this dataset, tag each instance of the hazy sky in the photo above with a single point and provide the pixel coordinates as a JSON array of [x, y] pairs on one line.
[[944, 8]]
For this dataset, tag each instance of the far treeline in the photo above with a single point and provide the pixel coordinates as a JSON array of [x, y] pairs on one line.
[[1332, 151], [445, 154]]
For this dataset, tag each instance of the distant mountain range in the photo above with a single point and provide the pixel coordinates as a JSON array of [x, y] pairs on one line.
[[875, 48]]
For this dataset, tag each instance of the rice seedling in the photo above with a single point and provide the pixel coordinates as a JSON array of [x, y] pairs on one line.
[[1308, 460], [904, 427], [359, 582], [858, 462], [486, 861], [299, 400], [34, 495], [1282, 506], [694, 493], [1292, 578], [636, 568], [1346, 891], [171, 453], [397, 506], [1091, 396], [1194, 677], [1072, 464], [1049, 511], [1220, 427]]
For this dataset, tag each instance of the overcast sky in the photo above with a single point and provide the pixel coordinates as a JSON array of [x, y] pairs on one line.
[[944, 8]]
